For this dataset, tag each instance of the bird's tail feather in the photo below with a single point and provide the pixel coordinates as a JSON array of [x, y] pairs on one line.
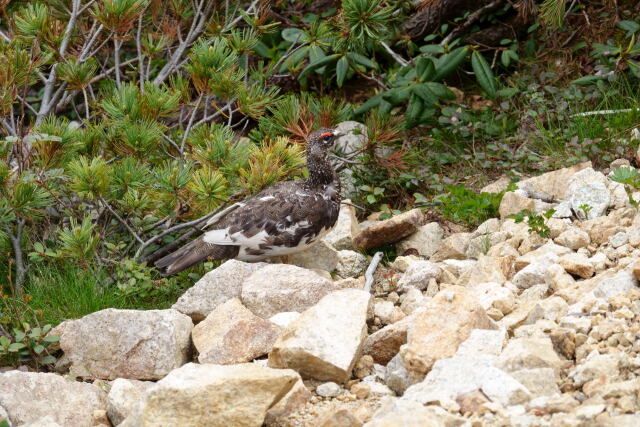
[[191, 254]]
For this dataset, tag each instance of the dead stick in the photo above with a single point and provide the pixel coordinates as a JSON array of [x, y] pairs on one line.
[[368, 276]]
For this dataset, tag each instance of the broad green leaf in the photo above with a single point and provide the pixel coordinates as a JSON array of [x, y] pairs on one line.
[[425, 69], [16, 346], [587, 80], [48, 360], [320, 63], [440, 90], [629, 26], [341, 70], [294, 35], [51, 339], [450, 62], [397, 95], [432, 48], [368, 105], [423, 91], [362, 60], [484, 75]]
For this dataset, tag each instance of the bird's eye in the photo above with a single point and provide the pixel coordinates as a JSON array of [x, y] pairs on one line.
[[327, 138]]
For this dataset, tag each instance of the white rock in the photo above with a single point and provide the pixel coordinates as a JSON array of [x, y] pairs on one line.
[[384, 311], [426, 240], [577, 264], [124, 396], [319, 256], [563, 210], [619, 239], [134, 344], [620, 283], [491, 294], [453, 377], [481, 244], [595, 195], [552, 308], [353, 138], [326, 340], [595, 366], [215, 288], [295, 399], [213, 395], [581, 324], [411, 299], [281, 287], [346, 228], [573, 238], [533, 274], [483, 341], [437, 331], [396, 412], [285, 318], [232, 334], [539, 381], [351, 264], [47, 421], [418, 275], [328, 389], [453, 247], [397, 377], [528, 353], [29, 396], [549, 251]]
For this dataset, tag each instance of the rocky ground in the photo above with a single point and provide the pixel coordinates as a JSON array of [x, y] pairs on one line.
[[492, 327]]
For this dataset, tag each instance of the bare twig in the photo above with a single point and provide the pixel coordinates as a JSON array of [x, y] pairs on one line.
[[211, 218], [121, 220], [472, 19], [368, 275], [605, 112], [400, 60], [116, 58], [21, 268], [190, 124]]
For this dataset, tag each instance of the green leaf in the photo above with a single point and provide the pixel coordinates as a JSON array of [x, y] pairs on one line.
[[51, 339], [362, 60], [48, 360], [4, 341], [414, 109], [18, 335], [425, 69], [450, 62], [629, 26], [38, 349], [319, 63], [484, 75], [440, 90], [16, 346], [341, 70], [507, 92], [368, 105], [432, 48], [423, 91], [586, 80], [397, 96], [294, 35]]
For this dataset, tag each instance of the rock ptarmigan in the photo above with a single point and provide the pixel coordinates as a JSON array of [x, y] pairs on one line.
[[280, 220]]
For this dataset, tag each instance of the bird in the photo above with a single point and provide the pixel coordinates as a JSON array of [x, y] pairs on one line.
[[281, 220]]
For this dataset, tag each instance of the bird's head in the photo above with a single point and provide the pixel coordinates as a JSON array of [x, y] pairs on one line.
[[320, 141]]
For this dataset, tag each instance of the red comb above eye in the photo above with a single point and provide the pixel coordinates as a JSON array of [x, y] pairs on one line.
[[326, 134]]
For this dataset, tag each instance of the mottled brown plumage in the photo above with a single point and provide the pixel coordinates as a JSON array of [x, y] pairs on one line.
[[280, 220]]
